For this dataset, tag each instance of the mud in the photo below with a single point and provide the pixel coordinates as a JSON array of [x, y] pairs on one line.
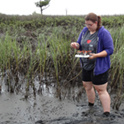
[[47, 109]]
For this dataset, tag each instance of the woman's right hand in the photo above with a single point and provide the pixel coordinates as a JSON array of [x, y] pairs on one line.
[[75, 45]]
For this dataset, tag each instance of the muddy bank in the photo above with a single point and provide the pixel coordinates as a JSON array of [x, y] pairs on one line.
[[46, 109]]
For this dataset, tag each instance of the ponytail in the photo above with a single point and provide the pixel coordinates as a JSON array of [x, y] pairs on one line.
[[99, 22]]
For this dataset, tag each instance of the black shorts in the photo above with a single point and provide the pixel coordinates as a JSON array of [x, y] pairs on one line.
[[95, 79]]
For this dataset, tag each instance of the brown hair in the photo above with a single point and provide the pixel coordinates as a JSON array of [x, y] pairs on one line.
[[93, 17]]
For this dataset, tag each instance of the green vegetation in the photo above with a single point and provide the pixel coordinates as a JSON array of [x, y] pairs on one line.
[[39, 46], [41, 4]]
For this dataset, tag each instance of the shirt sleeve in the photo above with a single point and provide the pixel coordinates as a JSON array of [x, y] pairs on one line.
[[107, 42]]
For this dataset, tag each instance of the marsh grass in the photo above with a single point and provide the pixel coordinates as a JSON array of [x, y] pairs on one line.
[[117, 65], [117, 59], [46, 52], [51, 54]]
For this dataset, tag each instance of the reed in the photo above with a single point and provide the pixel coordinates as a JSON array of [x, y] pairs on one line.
[[117, 65], [42, 53], [32, 50]]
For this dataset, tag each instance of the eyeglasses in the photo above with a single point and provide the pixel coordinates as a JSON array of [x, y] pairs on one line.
[[89, 25]]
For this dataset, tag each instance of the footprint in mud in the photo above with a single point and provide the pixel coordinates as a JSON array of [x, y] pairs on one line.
[[39, 122], [54, 121], [90, 111]]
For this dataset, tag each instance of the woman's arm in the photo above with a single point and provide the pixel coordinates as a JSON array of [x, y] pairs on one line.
[[96, 55]]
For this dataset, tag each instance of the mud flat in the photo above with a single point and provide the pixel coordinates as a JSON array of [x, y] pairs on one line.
[[47, 109]]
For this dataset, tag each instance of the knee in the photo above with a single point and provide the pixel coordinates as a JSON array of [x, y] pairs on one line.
[[100, 92], [84, 85], [87, 87]]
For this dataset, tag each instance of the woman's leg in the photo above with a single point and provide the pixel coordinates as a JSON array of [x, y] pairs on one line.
[[89, 91], [104, 96]]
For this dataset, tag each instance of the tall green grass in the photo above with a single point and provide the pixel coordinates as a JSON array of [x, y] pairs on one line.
[[117, 64], [117, 59], [46, 51], [49, 54]]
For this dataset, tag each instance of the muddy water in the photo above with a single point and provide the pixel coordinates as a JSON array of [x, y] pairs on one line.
[[47, 109]]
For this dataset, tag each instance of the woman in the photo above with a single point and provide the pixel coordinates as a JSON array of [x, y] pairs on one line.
[[98, 40]]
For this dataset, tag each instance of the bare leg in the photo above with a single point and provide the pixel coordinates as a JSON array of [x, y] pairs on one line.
[[89, 91], [104, 96]]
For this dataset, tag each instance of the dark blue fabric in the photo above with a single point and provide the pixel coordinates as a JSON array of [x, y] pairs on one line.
[[105, 42]]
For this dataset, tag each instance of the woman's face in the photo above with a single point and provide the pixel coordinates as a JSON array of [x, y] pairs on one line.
[[91, 25]]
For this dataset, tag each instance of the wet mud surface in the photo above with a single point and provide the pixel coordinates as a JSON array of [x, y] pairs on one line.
[[45, 109]]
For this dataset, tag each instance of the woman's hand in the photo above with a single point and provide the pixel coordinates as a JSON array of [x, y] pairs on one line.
[[93, 56], [96, 55], [75, 45]]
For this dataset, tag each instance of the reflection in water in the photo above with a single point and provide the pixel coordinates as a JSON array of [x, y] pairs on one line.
[[46, 108]]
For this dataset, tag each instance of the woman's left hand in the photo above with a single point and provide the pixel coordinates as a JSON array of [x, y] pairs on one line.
[[96, 55], [93, 56]]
